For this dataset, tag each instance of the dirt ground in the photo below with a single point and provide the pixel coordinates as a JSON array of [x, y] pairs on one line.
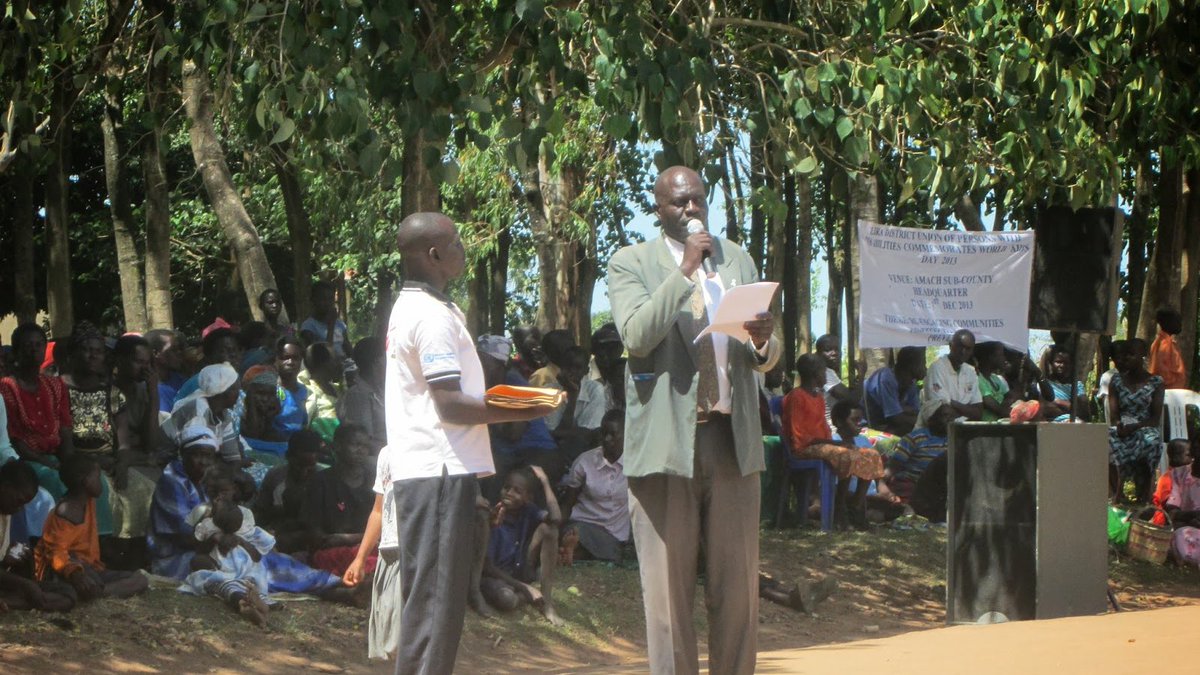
[[889, 582]]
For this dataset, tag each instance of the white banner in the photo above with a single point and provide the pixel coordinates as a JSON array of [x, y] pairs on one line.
[[920, 286]]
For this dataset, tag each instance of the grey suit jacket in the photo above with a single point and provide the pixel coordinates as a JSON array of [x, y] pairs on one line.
[[651, 305]]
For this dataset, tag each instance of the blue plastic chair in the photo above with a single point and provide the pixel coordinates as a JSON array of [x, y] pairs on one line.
[[826, 481]]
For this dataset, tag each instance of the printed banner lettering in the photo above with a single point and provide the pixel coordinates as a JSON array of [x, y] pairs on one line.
[[920, 286]]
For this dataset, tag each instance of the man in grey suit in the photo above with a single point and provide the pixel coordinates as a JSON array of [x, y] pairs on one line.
[[693, 441]]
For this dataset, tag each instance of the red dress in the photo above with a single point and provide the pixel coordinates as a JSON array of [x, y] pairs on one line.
[[804, 424], [34, 418]]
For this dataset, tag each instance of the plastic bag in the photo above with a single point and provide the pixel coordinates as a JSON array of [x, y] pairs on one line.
[[1118, 526]]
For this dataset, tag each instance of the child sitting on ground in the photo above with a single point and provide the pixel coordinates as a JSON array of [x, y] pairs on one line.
[[70, 545], [18, 485], [221, 488], [228, 566], [523, 546], [1179, 453]]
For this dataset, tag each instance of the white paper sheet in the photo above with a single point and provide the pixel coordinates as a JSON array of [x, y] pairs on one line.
[[739, 305]]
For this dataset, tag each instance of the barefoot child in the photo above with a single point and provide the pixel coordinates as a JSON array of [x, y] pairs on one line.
[[237, 575], [18, 485], [523, 546], [70, 544]]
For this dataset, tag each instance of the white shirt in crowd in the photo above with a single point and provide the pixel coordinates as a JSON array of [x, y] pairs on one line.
[[604, 500], [389, 532], [428, 342], [942, 382]]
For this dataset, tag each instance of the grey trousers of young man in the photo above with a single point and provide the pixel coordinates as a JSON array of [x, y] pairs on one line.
[[671, 516], [436, 522]]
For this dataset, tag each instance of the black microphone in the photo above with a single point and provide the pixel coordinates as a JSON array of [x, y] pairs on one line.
[[694, 226]]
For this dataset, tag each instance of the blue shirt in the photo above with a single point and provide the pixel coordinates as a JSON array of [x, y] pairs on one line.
[[320, 329], [292, 416], [882, 397], [510, 540], [168, 391]]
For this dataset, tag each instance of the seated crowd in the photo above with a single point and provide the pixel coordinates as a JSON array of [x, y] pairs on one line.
[[889, 449], [253, 461]]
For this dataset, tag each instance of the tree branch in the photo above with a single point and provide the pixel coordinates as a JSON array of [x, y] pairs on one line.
[[736, 21]]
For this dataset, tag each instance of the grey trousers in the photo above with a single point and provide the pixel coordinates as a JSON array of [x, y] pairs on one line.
[[671, 516], [436, 522]]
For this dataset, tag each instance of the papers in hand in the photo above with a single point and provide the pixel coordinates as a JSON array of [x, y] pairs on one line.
[[519, 398], [739, 305]]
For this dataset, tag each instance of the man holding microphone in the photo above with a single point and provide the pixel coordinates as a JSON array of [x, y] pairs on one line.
[[693, 441]]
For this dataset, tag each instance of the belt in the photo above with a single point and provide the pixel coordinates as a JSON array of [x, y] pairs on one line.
[[711, 416]]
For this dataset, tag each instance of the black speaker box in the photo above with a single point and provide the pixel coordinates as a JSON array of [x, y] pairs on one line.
[[1027, 531], [1075, 263]]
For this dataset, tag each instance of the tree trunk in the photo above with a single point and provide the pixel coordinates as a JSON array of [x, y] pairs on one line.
[[499, 289], [480, 298], [24, 295], [420, 189], [159, 311], [791, 296], [804, 261], [299, 231], [864, 206], [1138, 227], [231, 213], [128, 260], [559, 256], [1190, 270], [758, 219], [967, 212], [58, 259], [732, 226], [1162, 275], [833, 254]]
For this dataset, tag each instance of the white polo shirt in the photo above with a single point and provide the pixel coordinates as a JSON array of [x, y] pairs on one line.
[[943, 382], [427, 341]]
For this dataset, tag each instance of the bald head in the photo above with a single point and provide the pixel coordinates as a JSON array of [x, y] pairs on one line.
[[962, 347], [431, 248], [679, 197], [672, 176], [421, 231]]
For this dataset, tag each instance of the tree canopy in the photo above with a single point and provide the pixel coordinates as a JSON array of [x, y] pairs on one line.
[[192, 154]]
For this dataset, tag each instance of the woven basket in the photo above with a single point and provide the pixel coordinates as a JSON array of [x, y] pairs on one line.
[[1148, 541]]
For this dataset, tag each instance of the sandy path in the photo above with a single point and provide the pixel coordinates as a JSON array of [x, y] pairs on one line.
[[1118, 643]]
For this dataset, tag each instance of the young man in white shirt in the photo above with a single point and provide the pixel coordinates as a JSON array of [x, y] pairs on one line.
[[437, 434]]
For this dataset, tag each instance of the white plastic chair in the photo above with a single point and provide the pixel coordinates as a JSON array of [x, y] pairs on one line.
[[1175, 405]]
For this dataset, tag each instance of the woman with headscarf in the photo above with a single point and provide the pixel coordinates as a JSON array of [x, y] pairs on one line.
[[211, 404], [172, 541], [263, 405]]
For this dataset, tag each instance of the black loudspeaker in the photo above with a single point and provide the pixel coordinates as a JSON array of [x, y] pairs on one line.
[[1027, 528], [1075, 263]]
